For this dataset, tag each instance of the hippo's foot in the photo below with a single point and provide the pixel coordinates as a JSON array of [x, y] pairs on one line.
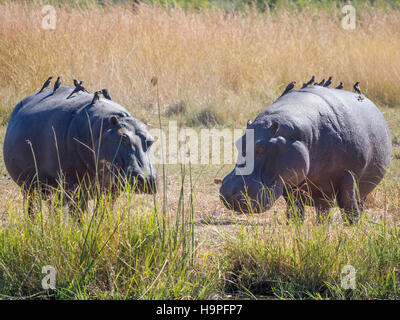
[[351, 217], [31, 199], [77, 208], [78, 203], [361, 204], [30, 206], [347, 198], [295, 213], [322, 213]]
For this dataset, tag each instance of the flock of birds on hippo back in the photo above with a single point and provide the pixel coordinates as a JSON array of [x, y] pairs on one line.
[[78, 87], [323, 83]]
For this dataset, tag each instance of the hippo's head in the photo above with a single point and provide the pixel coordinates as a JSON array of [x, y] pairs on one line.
[[124, 151], [275, 157]]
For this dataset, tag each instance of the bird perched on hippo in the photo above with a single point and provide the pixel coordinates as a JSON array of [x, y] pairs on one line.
[[45, 84], [312, 146], [81, 139]]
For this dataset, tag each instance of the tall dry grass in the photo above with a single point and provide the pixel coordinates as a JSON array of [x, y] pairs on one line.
[[234, 63]]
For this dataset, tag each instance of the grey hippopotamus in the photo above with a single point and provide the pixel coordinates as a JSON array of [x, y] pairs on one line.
[[80, 139], [312, 146]]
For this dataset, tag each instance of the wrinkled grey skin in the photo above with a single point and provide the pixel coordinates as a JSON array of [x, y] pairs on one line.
[[311, 146], [79, 128]]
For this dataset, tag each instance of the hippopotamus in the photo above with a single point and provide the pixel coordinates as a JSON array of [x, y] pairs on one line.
[[315, 146], [81, 140]]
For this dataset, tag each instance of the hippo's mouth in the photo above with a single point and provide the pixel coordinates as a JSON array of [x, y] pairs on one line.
[[113, 176], [259, 202], [245, 204], [140, 184]]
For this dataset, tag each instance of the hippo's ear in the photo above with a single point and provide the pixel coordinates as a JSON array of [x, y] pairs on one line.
[[114, 120], [275, 127]]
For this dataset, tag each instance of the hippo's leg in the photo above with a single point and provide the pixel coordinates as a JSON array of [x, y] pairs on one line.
[[322, 210], [361, 204], [30, 197], [347, 198], [78, 199], [34, 199], [29, 201], [81, 201], [112, 195], [295, 203]]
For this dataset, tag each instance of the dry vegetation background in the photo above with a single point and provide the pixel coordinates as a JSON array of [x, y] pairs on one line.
[[214, 68], [232, 63]]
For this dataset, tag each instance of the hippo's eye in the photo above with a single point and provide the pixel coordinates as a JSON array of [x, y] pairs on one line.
[[259, 148], [125, 140]]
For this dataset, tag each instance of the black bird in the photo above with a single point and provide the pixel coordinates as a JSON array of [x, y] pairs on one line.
[[96, 97], [79, 83], [340, 86], [289, 87], [308, 83], [106, 94], [356, 87], [46, 84], [57, 84], [321, 83], [78, 88], [328, 82]]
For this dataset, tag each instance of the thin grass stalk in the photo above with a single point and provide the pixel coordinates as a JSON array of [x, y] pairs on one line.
[[179, 210], [154, 82], [39, 189], [191, 213]]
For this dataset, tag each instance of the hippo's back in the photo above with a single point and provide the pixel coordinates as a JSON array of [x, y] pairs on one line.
[[341, 131], [35, 124], [46, 130]]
